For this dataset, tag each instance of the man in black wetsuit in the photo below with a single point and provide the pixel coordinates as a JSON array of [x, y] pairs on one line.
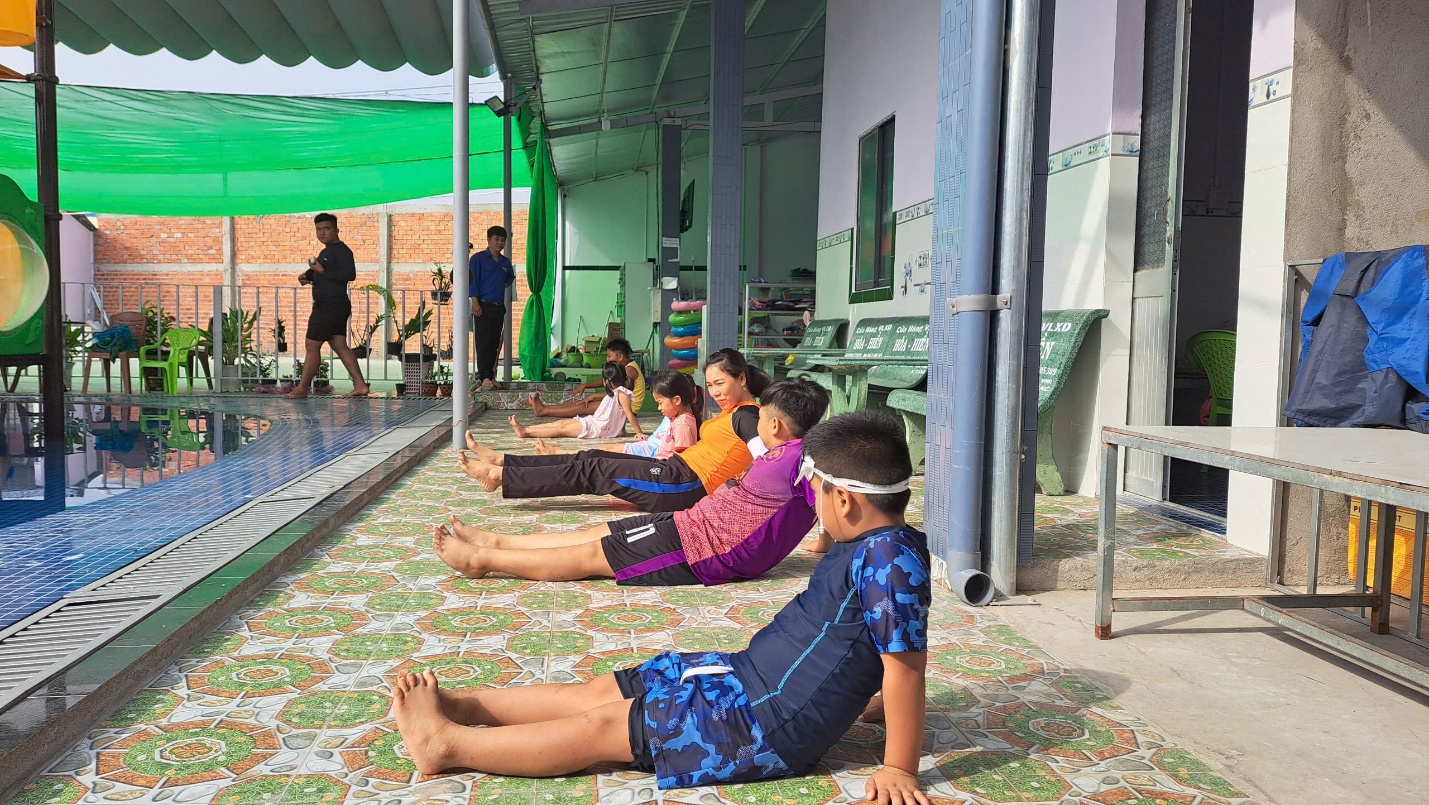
[[329, 273]]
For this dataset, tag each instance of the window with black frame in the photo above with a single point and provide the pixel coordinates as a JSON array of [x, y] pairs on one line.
[[873, 256]]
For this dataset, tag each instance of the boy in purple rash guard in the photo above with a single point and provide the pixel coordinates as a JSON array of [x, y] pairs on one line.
[[738, 532]]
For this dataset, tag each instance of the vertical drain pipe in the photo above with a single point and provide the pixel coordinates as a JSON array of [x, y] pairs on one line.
[[1015, 213], [973, 308]]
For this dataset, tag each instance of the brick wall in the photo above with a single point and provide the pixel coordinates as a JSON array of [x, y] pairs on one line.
[[176, 261]]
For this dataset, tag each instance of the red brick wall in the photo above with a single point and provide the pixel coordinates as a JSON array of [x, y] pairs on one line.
[[175, 261]]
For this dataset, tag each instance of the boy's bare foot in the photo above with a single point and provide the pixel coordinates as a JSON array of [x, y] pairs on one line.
[[426, 732], [544, 448], [516, 426], [483, 452], [359, 391], [298, 393], [468, 533], [456, 554], [537, 407]]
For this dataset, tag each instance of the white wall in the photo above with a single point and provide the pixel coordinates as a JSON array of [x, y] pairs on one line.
[[876, 64], [76, 263], [1262, 261]]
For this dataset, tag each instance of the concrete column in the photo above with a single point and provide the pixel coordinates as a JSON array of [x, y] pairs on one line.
[[384, 261], [726, 170], [230, 262]]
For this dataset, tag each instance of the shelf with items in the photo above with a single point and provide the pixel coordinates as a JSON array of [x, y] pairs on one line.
[[775, 312]]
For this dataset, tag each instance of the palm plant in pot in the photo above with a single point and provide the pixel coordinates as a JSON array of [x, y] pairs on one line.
[[360, 344], [441, 284], [280, 334]]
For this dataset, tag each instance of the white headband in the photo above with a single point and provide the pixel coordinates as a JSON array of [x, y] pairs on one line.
[[807, 470]]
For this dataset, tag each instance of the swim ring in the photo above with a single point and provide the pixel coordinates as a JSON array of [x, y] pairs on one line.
[[685, 318], [686, 329], [686, 354], [687, 342], [681, 364], [687, 305]]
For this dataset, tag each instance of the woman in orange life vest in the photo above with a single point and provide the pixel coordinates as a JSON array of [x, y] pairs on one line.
[[727, 446]]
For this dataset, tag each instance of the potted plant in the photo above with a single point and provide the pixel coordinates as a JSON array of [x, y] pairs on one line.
[[443, 378], [76, 344], [280, 333], [360, 345], [266, 367], [445, 353], [441, 284], [389, 304], [239, 350], [416, 326], [320, 380]]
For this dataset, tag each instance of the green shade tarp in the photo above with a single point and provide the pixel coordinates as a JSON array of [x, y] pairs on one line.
[[535, 343], [142, 152]]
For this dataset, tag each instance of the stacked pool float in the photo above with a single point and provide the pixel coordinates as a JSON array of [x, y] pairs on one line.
[[685, 332]]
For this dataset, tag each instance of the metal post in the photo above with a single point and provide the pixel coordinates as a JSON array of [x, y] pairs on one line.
[[509, 92], [1106, 540], [48, 190], [1014, 222], [726, 170], [1416, 588], [668, 274], [216, 359], [1312, 559], [1383, 564], [461, 223]]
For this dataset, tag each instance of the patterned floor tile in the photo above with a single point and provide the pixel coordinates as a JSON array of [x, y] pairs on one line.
[[287, 703]]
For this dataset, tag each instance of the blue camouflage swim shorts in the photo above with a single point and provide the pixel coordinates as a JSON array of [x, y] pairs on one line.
[[691, 722]]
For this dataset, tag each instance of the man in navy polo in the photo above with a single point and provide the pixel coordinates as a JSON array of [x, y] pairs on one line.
[[491, 274]]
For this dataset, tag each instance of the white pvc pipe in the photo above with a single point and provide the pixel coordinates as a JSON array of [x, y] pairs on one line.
[[461, 201]]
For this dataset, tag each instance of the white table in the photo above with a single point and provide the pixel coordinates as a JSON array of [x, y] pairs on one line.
[[1389, 467]]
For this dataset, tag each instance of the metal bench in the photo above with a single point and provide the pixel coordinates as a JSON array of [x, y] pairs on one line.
[[1062, 334], [886, 353]]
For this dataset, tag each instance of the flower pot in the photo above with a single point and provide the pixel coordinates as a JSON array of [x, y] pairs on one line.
[[282, 346], [441, 297], [394, 348], [401, 389], [444, 389], [267, 381], [429, 388], [445, 354], [360, 352]]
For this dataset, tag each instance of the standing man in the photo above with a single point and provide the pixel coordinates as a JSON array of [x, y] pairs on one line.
[[491, 274], [329, 273]]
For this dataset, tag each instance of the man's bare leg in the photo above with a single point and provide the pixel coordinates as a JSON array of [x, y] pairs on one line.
[[542, 749], [484, 453], [349, 361], [311, 359], [488, 476], [558, 539], [571, 563]]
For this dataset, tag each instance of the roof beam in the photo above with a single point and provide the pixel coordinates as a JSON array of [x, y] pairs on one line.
[[757, 125], [794, 46], [684, 111]]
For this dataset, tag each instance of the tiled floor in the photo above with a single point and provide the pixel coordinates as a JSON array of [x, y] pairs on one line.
[[1067, 527], [288, 702], [78, 545]]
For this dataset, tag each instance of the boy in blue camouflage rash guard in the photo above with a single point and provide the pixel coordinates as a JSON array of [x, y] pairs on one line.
[[769, 711]]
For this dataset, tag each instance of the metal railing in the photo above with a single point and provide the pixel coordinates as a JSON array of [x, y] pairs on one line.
[[266, 357]]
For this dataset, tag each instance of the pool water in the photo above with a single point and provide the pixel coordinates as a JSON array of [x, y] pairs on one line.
[[129, 480], [109, 450]]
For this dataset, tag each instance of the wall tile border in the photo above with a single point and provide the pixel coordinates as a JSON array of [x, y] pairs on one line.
[[836, 239], [1270, 88], [914, 212], [1118, 144]]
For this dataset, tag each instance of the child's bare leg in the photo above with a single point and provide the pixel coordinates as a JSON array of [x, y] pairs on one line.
[[488, 475], [568, 428], [527, 704], [539, 564], [543, 749], [558, 539], [584, 407], [483, 452]]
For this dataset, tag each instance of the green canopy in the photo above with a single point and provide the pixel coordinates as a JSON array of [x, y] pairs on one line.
[[177, 153]]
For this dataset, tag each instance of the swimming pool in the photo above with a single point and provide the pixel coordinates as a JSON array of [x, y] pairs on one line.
[[130, 479]]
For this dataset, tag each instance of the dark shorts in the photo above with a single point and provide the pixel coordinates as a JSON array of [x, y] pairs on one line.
[[329, 319], [647, 550], [695, 730]]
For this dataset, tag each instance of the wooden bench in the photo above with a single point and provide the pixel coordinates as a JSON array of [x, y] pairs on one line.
[[886, 353], [820, 339], [1062, 334]]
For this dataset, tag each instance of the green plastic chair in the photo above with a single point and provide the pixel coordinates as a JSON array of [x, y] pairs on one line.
[[178, 342], [1213, 352]]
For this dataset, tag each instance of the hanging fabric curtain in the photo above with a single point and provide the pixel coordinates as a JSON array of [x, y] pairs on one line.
[[179, 153], [534, 350]]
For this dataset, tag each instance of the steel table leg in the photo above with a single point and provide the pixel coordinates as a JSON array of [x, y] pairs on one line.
[[1106, 539]]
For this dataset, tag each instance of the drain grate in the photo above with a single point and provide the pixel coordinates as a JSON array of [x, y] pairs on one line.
[[50, 641]]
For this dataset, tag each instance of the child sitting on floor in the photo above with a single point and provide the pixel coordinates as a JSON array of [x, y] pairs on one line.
[[679, 401], [616, 408], [617, 350], [739, 532], [769, 711]]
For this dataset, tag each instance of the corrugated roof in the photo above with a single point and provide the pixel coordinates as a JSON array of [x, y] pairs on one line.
[[612, 59], [384, 34]]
